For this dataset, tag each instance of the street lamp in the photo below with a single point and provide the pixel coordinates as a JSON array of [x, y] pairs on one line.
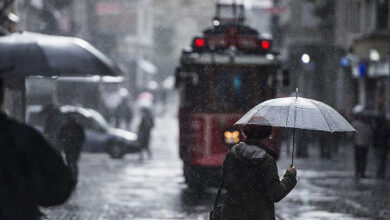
[[374, 55], [305, 58]]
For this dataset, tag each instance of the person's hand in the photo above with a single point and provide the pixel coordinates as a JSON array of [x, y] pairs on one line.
[[292, 170]]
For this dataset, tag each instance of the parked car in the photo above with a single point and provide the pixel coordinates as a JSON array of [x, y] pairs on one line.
[[99, 135]]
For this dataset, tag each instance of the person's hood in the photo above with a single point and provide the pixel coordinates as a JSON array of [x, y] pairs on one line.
[[249, 154]]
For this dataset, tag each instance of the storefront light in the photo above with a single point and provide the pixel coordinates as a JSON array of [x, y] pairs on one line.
[[374, 55], [305, 58]]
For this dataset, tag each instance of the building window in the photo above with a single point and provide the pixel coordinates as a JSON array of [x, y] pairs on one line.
[[383, 14], [370, 13], [354, 16], [376, 14]]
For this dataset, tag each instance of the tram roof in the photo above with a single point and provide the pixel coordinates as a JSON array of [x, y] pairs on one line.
[[238, 59]]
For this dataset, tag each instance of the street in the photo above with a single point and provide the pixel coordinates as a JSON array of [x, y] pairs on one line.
[[101, 80], [155, 188], [131, 189]]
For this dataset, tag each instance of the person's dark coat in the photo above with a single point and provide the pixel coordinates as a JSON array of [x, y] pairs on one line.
[[381, 133], [32, 173], [123, 113], [252, 184], [51, 125], [145, 128], [71, 137]]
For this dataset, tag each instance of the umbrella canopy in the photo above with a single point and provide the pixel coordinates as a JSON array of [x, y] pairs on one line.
[[296, 112], [33, 54]]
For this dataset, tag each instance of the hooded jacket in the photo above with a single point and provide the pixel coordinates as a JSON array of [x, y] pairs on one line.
[[252, 183]]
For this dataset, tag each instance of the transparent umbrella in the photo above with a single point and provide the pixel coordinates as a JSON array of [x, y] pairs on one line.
[[296, 112]]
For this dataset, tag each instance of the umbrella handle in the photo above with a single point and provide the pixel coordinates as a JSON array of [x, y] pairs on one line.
[[293, 148], [295, 118]]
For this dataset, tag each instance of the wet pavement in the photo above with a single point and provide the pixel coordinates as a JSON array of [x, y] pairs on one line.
[[155, 188], [327, 189]]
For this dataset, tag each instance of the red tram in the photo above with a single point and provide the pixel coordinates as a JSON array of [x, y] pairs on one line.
[[229, 70]]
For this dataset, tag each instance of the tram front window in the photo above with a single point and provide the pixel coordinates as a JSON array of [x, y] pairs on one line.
[[226, 89], [236, 89]]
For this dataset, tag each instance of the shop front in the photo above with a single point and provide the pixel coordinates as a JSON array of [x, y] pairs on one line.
[[372, 71]]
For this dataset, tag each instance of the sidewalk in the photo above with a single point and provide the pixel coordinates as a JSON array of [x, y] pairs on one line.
[[327, 189]]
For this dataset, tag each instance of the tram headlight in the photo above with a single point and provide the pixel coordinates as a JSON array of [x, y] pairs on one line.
[[231, 137]]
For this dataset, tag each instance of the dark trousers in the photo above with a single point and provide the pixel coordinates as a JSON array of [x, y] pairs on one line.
[[360, 160], [381, 161]]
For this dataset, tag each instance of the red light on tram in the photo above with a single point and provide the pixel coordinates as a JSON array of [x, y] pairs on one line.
[[265, 44], [200, 42]]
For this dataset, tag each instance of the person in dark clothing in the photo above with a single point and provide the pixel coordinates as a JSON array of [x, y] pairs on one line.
[[362, 142], [32, 173], [381, 145], [251, 179], [71, 138], [123, 113], [144, 131], [51, 124]]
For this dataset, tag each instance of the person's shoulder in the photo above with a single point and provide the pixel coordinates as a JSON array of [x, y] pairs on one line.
[[250, 154], [17, 127], [268, 159]]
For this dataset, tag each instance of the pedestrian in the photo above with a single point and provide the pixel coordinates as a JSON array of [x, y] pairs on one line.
[[381, 145], [362, 141], [123, 114], [51, 124], [251, 178], [32, 173], [71, 137], [144, 130]]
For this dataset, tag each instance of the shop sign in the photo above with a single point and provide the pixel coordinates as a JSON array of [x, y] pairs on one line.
[[371, 69], [359, 69], [379, 68]]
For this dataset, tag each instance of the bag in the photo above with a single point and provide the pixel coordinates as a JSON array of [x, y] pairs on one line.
[[216, 213]]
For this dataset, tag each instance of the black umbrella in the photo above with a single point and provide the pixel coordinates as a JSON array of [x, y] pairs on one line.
[[33, 54]]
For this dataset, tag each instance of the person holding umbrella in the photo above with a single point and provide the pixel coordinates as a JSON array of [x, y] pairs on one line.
[[32, 173], [252, 180], [249, 172]]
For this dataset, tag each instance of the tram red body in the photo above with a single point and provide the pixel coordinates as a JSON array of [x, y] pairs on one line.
[[229, 70], [206, 145]]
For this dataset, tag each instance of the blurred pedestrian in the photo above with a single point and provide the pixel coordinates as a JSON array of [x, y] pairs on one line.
[[51, 124], [123, 114], [32, 173], [363, 140], [251, 178], [381, 145], [71, 138], [144, 130]]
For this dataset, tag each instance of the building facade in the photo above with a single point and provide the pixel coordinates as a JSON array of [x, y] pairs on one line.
[[371, 56], [317, 37]]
